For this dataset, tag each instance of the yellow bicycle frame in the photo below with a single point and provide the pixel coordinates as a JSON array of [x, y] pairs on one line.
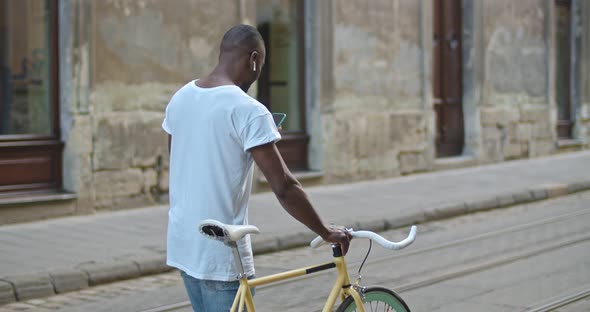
[[341, 287]]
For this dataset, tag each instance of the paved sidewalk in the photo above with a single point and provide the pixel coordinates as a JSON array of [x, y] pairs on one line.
[[42, 258]]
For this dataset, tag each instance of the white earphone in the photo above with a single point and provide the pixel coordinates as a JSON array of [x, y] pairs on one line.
[[254, 66]]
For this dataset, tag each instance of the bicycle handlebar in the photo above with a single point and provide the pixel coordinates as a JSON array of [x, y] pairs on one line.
[[318, 241]]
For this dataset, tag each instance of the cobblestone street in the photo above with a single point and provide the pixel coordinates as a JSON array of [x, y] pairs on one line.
[[77, 301], [483, 260]]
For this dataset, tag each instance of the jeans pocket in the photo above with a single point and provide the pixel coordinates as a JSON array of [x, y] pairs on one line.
[[222, 286]]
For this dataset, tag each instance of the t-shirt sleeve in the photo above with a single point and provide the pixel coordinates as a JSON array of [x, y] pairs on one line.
[[259, 131], [165, 123]]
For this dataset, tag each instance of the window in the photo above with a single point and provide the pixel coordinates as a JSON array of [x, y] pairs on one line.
[[30, 150], [281, 86], [25, 68]]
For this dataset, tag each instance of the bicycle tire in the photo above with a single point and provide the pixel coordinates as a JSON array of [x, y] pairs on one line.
[[376, 299]]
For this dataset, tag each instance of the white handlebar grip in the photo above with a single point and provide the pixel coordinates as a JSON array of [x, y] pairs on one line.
[[411, 237], [386, 243], [317, 242]]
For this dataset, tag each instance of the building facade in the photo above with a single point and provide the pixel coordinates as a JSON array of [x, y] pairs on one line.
[[372, 89]]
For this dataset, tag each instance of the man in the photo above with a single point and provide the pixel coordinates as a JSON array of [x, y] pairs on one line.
[[216, 132]]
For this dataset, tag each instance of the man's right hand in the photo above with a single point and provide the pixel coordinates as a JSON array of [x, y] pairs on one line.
[[340, 236]]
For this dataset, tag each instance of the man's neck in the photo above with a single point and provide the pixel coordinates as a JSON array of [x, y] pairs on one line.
[[212, 81], [220, 76]]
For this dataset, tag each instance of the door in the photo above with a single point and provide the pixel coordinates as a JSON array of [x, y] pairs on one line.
[[447, 77], [281, 86], [563, 43], [30, 149]]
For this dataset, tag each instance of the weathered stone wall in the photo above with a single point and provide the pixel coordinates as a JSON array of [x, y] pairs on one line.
[[516, 118], [126, 66], [378, 122], [123, 59], [375, 126]]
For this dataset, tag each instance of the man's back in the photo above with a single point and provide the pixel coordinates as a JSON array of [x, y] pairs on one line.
[[216, 132], [211, 172]]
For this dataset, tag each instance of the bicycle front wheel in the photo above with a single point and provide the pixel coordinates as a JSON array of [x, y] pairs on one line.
[[376, 299]]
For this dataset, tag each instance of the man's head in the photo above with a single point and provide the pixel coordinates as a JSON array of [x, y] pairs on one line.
[[242, 51]]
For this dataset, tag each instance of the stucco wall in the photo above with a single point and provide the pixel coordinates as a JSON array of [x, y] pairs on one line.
[[369, 91], [374, 126], [127, 65], [516, 117], [379, 124]]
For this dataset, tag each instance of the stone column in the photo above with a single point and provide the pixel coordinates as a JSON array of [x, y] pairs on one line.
[[550, 57], [313, 72], [426, 31], [582, 20], [75, 22], [473, 75]]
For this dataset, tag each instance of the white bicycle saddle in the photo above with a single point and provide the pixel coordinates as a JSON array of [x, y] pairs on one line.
[[226, 233]]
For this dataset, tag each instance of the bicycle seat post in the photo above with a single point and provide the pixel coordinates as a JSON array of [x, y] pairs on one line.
[[238, 261]]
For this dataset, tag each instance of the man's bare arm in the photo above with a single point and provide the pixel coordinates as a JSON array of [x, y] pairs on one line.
[[291, 195]]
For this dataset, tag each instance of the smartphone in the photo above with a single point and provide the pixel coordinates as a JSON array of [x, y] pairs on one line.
[[279, 118]]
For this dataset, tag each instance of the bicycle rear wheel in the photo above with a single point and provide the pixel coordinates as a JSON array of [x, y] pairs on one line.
[[376, 299]]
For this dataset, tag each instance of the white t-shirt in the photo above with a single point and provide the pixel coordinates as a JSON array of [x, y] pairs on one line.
[[211, 174]]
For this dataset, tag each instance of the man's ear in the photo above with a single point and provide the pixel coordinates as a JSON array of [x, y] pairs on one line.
[[254, 60]]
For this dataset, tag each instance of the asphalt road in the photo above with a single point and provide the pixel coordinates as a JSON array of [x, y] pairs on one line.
[[514, 259]]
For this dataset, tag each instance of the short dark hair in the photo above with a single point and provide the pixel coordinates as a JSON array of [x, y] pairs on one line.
[[241, 37]]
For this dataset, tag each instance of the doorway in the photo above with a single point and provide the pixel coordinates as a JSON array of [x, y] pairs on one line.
[[447, 77], [563, 66]]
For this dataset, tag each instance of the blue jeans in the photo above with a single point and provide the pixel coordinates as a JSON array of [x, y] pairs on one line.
[[210, 296]]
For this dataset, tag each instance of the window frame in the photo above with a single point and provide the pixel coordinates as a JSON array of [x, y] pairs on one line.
[[43, 145]]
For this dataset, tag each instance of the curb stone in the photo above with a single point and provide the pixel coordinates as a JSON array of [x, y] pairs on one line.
[[65, 280], [481, 205], [446, 211], [31, 286], [24, 287], [265, 245], [102, 273], [295, 240], [578, 186], [523, 197], [151, 265], [374, 225], [394, 223], [539, 194], [505, 200], [556, 190], [6, 293]]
